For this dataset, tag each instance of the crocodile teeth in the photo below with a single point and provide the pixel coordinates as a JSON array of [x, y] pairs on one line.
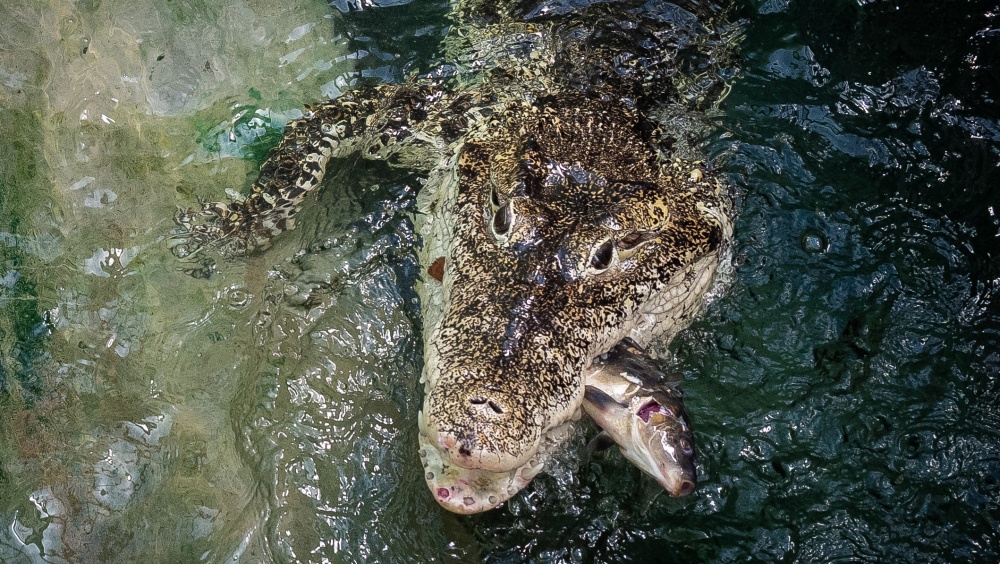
[[420, 419], [529, 473]]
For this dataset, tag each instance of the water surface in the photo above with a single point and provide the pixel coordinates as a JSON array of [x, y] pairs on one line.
[[843, 391]]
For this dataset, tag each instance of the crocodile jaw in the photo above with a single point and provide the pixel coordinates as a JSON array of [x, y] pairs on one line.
[[466, 491]]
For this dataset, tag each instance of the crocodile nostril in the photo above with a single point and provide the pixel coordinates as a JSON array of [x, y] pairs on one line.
[[488, 402]]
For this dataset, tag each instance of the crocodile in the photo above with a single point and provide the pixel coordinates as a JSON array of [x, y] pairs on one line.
[[555, 219]]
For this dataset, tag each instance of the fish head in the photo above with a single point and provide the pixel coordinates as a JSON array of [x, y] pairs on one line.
[[662, 443], [652, 432]]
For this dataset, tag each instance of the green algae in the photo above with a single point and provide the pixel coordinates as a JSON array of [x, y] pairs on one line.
[[23, 326], [110, 361]]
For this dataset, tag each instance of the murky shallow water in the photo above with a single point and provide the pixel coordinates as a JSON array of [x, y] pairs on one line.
[[844, 392]]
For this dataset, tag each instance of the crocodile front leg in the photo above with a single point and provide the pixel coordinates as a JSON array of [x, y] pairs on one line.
[[390, 122]]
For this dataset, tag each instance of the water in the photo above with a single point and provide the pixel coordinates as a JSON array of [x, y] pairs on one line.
[[844, 391]]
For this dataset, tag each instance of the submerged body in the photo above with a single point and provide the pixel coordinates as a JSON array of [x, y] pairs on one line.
[[554, 218]]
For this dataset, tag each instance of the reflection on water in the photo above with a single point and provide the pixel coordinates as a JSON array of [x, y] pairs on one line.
[[844, 393], [141, 402]]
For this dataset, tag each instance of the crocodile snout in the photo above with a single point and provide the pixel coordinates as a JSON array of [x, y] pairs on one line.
[[478, 430]]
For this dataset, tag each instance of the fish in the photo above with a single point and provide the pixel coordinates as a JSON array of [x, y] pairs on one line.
[[641, 409]]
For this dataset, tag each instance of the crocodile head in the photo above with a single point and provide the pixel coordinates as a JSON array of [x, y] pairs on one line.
[[565, 233]]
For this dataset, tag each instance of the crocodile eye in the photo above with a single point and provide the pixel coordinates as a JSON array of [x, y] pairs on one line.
[[503, 218], [603, 255], [630, 240]]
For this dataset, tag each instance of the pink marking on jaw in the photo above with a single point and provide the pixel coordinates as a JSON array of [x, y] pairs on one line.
[[446, 442], [443, 493]]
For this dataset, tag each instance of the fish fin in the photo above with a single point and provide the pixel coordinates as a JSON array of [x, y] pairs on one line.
[[630, 343], [641, 368], [601, 442], [600, 399]]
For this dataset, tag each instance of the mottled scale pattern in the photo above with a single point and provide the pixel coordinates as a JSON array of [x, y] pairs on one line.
[[528, 309], [553, 226], [379, 122]]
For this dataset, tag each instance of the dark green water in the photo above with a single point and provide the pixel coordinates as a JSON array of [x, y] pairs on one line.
[[844, 391]]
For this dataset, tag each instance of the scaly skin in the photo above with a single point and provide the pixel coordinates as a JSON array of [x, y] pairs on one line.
[[530, 305], [635, 404], [562, 225]]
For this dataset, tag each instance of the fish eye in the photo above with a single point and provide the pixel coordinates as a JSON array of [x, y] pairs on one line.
[[603, 255], [503, 219], [686, 446], [494, 198]]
